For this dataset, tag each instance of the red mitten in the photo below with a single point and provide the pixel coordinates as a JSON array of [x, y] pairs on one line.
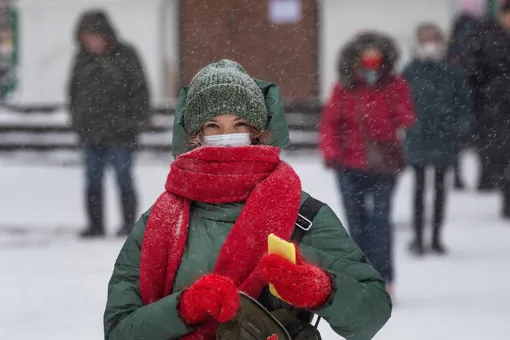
[[300, 284], [212, 295]]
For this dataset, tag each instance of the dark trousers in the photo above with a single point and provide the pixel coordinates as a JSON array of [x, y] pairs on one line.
[[490, 177], [439, 201], [97, 157], [457, 172], [370, 226]]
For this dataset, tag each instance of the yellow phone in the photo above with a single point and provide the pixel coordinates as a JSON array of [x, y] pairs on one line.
[[280, 247]]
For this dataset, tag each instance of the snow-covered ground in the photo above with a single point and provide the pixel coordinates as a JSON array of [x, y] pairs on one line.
[[53, 286]]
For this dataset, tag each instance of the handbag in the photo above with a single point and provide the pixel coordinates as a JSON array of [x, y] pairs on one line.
[[385, 157]]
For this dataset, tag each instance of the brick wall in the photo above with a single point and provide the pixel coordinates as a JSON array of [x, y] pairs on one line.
[[285, 54]]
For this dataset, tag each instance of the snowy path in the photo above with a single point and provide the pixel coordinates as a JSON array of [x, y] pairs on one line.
[[54, 287]]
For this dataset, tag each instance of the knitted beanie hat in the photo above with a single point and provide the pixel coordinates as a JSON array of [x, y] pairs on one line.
[[224, 88]]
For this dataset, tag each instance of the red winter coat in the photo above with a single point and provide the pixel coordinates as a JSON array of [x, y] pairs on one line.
[[383, 110]]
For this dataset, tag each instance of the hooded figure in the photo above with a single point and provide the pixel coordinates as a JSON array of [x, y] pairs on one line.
[[109, 106], [108, 92], [488, 64], [359, 140], [442, 98], [179, 274], [351, 60], [464, 28]]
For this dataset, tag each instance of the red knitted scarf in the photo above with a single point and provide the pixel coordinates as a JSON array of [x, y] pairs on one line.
[[251, 174]]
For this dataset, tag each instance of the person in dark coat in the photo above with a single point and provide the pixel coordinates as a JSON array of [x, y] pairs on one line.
[[369, 105], [488, 63], [464, 27], [109, 105], [441, 97]]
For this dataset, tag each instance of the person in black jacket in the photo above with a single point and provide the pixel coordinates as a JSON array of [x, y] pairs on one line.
[[442, 99], [464, 27], [109, 106], [488, 62]]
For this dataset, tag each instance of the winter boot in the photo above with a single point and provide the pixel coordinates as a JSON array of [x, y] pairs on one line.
[[488, 182], [486, 185], [505, 211], [95, 215], [459, 184], [128, 211], [416, 248], [438, 248]]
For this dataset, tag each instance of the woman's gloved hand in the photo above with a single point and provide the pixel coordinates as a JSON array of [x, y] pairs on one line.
[[301, 284], [211, 296]]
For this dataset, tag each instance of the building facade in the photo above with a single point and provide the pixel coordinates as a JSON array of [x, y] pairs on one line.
[[293, 43]]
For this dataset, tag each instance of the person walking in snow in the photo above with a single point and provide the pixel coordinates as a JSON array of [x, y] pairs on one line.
[[465, 27], [488, 64], [109, 106], [181, 271], [359, 140], [442, 98]]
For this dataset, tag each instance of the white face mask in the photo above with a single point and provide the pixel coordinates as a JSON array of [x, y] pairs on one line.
[[431, 51], [371, 77], [232, 139]]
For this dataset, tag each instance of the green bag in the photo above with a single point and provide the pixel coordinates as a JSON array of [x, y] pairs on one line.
[[254, 322]]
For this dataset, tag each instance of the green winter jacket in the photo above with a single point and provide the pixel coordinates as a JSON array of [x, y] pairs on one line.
[[357, 309]]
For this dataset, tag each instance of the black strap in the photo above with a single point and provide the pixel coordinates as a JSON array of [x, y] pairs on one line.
[[307, 212]]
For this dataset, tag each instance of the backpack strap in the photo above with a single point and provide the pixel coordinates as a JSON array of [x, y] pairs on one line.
[[307, 212]]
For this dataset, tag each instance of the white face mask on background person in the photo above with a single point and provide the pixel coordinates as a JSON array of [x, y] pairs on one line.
[[231, 139], [431, 51], [371, 77]]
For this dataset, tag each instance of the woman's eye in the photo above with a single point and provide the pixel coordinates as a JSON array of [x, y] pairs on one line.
[[241, 124], [212, 126]]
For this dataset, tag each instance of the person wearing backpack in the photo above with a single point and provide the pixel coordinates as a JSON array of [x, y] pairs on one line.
[[442, 98], [203, 244]]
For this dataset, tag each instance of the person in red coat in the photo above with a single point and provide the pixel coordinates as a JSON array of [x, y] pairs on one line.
[[369, 105]]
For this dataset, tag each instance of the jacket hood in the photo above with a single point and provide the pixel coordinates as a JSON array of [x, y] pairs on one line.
[[351, 53], [96, 21], [464, 24], [277, 123]]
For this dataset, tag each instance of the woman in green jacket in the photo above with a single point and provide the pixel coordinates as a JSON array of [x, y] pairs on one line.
[[204, 240]]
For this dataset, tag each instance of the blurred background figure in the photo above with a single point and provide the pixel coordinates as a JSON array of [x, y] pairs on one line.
[[488, 62], [465, 27], [443, 105], [109, 107], [369, 104]]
